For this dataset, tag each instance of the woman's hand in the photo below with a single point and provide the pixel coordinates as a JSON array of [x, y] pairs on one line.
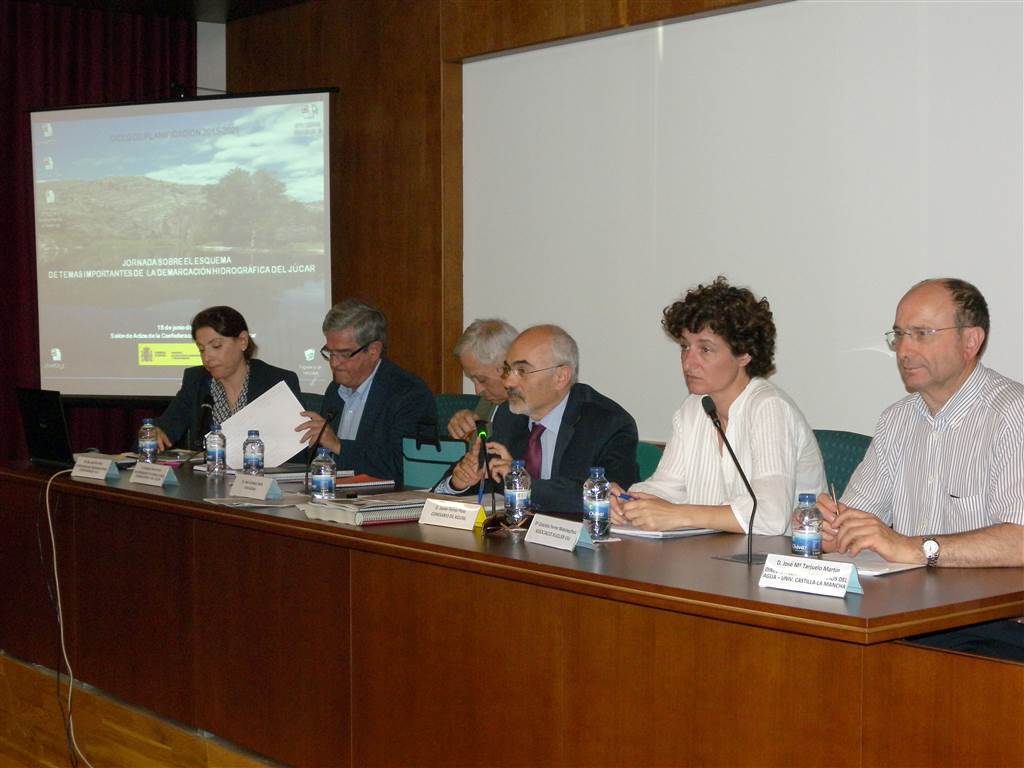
[[163, 442], [650, 513]]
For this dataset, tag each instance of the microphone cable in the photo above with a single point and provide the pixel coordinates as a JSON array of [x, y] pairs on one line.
[[60, 621]]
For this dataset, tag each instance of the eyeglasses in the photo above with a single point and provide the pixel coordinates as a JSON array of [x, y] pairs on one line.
[[920, 335], [507, 370], [338, 354]]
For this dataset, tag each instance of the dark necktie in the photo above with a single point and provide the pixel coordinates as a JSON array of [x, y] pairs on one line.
[[533, 453]]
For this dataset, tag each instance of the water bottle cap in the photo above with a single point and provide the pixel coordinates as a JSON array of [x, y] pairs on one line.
[[321, 451], [254, 433], [807, 498], [147, 422], [215, 427], [518, 464], [595, 471]]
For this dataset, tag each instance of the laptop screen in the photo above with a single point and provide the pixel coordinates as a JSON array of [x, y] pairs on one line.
[[46, 431]]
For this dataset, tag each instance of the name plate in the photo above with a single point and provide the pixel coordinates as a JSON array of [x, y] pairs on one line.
[[452, 514], [808, 574], [255, 487], [153, 474], [95, 468], [558, 533]]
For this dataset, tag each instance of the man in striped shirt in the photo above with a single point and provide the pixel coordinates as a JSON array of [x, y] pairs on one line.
[[943, 480]]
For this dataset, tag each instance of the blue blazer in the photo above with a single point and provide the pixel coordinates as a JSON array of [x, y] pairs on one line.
[[398, 403], [183, 414]]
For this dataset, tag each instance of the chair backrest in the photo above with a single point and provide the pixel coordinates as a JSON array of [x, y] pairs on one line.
[[447, 405], [424, 462], [647, 457], [841, 452]]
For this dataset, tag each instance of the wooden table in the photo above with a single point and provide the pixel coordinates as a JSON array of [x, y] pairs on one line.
[[320, 644]]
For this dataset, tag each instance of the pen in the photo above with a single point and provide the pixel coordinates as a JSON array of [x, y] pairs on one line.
[[624, 497], [834, 499]]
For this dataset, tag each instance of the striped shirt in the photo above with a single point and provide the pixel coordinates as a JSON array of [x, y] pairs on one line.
[[959, 470], [774, 445]]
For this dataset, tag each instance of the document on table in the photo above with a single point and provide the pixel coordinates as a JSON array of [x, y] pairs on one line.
[[677, 533], [871, 564], [287, 500], [275, 414]]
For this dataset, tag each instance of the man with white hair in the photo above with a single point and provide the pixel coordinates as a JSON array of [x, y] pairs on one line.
[[481, 353]]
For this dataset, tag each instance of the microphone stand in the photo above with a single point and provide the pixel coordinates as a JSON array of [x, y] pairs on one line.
[[712, 412]]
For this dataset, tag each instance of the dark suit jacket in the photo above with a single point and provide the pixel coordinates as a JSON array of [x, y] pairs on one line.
[[595, 432], [398, 402], [183, 415]]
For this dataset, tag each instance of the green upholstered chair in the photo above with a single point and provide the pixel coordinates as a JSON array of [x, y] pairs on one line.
[[447, 405], [841, 452], [424, 463], [647, 457]]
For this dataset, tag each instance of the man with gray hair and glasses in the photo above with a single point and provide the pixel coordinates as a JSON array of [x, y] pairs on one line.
[[942, 482], [372, 403], [560, 427], [481, 353]]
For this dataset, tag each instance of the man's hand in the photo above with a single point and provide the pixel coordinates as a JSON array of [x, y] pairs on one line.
[[468, 471], [312, 427], [462, 425], [850, 531], [499, 462]]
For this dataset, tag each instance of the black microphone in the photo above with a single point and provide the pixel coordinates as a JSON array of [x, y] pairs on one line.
[[328, 418], [205, 419], [481, 432], [712, 412]]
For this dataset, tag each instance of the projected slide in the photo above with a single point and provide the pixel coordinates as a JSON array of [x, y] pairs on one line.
[[146, 214]]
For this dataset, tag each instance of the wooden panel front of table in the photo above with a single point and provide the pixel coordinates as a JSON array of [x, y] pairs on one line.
[[319, 644]]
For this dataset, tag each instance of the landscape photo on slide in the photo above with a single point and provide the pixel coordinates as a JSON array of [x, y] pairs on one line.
[[144, 217]]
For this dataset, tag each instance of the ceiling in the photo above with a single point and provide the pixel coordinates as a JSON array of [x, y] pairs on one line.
[[219, 11]]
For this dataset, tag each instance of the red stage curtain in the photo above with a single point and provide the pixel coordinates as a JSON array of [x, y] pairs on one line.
[[57, 56]]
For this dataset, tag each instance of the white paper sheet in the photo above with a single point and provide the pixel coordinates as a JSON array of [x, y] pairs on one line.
[[275, 414]]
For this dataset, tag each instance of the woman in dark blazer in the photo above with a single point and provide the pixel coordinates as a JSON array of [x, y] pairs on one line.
[[227, 381]]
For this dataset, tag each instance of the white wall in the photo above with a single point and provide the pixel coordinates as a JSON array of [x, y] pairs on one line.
[[826, 154]]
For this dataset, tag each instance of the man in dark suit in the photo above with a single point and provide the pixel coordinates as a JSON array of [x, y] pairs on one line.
[[372, 403], [561, 428]]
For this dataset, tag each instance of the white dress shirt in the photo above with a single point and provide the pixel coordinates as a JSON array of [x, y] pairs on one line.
[[959, 470], [773, 442]]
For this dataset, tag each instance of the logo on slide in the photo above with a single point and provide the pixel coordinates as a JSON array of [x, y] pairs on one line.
[[310, 355], [55, 354]]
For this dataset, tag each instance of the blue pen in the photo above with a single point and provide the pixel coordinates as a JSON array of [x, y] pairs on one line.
[[624, 497]]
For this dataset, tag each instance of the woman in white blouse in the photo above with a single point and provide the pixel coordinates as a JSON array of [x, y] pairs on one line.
[[727, 346]]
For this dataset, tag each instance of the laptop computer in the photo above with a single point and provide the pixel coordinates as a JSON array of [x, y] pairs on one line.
[[46, 431]]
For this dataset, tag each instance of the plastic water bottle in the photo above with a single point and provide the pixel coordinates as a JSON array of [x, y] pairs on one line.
[[807, 527], [147, 441], [252, 454], [597, 503], [517, 494], [216, 445], [322, 473]]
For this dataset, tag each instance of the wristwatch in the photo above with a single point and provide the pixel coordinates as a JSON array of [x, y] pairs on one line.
[[930, 547]]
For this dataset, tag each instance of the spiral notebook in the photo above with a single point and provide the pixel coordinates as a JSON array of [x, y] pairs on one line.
[[404, 506]]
